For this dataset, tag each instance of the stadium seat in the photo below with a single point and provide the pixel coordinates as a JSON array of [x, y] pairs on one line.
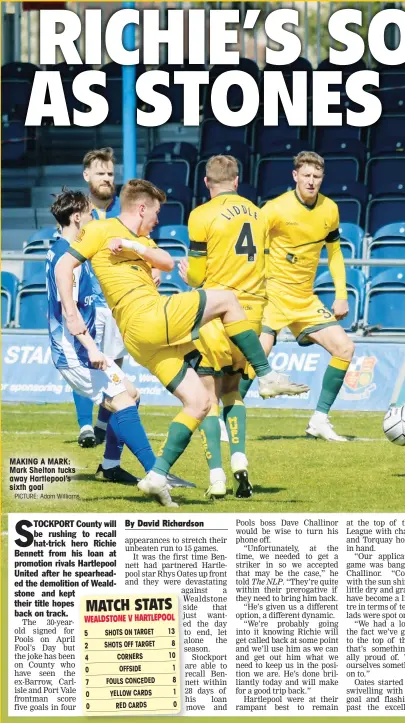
[[183, 194], [335, 187], [265, 138], [44, 236], [5, 308], [176, 249], [32, 308], [15, 97], [173, 277], [174, 151], [382, 211], [356, 283], [347, 149], [34, 271], [385, 250], [214, 133], [340, 170], [19, 71], [9, 286], [273, 173], [385, 302], [352, 235], [391, 91], [329, 138], [14, 138], [387, 135], [172, 213], [391, 231], [350, 209], [167, 172], [386, 176], [170, 232]]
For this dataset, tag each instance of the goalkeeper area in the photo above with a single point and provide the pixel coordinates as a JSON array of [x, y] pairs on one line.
[[290, 472]]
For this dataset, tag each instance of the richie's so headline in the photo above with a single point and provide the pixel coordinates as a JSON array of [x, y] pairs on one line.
[[188, 36]]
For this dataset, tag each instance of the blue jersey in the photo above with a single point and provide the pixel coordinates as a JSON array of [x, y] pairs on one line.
[[67, 352], [111, 211]]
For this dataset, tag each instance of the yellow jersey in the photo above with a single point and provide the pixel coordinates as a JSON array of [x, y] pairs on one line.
[[124, 278], [229, 234], [296, 235]]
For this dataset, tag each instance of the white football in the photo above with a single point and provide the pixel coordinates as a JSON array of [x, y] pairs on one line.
[[394, 425]]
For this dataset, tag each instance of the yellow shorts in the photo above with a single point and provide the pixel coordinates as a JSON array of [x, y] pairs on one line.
[[160, 334], [301, 314], [219, 355]]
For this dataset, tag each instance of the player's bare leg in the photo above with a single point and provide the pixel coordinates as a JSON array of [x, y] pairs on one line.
[[235, 419], [225, 306], [341, 348], [103, 416], [196, 405], [281, 382], [211, 438]]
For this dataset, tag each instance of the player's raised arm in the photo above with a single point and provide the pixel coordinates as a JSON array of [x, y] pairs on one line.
[[158, 258], [64, 280]]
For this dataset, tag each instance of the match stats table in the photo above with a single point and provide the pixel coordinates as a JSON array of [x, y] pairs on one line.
[[130, 655]]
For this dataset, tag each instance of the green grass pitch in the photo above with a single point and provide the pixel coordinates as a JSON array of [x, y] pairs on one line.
[[290, 473]]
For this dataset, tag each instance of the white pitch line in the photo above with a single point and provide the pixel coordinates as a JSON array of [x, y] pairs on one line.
[[163, 434], [271, 415]]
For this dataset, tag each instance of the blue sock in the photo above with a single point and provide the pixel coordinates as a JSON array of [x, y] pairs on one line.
[[84, 410], [113, 448], [103, 417], [128, 430]]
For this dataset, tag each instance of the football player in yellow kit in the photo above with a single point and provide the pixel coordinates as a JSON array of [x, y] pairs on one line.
[[157, 331], [299, 224], [227, 243]]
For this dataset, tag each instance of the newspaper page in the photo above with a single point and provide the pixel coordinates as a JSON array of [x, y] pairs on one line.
[[188, 529]]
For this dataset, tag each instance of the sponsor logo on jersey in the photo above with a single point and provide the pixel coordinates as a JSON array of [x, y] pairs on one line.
[[89, 300], [358, 382]]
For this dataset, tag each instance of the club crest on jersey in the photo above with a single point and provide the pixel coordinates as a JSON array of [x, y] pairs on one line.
[[358, 382], [80, 235], [115, 378]]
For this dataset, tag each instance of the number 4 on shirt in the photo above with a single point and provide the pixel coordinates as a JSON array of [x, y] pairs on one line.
[[244, 245]]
